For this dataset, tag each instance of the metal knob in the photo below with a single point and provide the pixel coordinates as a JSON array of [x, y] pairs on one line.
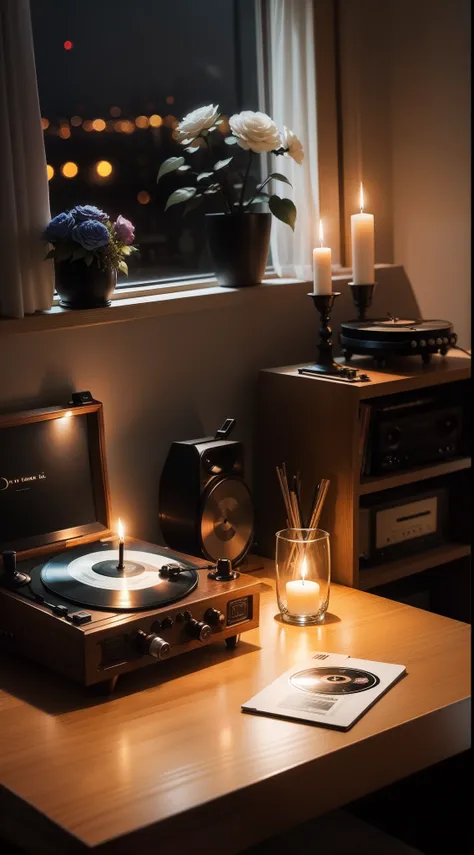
[[439, 340], [413, 343], [198, 630], [422, 343], [431, 342], [215, 617], [158, 647], [445, 340]]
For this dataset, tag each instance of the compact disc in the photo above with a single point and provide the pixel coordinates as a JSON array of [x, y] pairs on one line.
[[89, 576], [333, 681]]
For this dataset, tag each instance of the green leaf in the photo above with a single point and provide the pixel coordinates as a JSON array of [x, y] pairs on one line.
[[260, 198], [78, 253], [193, 203], [183, 168], [50, 254], [184, 194], [63, 251], [203, 175], [213, 188], [277, 176], [284, 210], [192, 148], [88, 258], [169, 166], [123, 267], [231, 140], [221, 164]]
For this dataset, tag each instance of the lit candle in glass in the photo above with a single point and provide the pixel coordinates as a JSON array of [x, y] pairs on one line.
[[363, 253], [121, 533], [322, 266], [302, 595]]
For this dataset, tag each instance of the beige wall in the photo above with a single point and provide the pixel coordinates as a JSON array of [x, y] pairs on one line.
[[431, 154], [406, 133]]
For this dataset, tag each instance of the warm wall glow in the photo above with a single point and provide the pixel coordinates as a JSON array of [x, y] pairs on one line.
[[64, 132], [103, 168], [155, 120], [49, 171], [361, 198], [141, 122], [98, 125], [121, 531], [69, 169], [143, 197]]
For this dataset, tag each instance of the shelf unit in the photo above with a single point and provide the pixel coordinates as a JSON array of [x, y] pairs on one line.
[[312, 423]]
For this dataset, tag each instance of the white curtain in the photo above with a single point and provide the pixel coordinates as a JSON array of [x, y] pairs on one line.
[[293, 103], [26, 280]]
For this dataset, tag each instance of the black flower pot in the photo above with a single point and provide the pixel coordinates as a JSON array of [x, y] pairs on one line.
[[239, 245], [83, 287]]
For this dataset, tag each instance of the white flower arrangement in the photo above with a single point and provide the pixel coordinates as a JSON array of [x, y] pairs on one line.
[[255, 133]]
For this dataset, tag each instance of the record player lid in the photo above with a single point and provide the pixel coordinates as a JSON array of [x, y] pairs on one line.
[[53, 478]]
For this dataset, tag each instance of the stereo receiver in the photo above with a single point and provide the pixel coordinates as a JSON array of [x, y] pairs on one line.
[[401, 525]]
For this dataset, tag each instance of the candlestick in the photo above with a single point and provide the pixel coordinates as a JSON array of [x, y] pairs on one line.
[[362, 234], [121, 565], [325, 366], [322, 273]]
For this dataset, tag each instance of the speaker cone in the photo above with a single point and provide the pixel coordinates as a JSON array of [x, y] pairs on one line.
[[227, 519]]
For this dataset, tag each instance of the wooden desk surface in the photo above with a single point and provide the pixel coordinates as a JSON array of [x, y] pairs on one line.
[[169, 762]]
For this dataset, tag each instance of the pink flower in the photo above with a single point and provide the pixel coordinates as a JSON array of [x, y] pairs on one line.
[[124, 230]]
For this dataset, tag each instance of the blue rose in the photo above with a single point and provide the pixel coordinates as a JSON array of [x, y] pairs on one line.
[[88, 212], [91, 234], [59, 227]]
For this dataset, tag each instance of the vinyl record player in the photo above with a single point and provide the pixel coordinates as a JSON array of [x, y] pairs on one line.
[[91, 609], [390, 336]]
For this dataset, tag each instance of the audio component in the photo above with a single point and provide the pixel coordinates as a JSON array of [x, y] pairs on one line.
[[401, 524], [205, 506], [82, 610], [414, 429], [386, 337]]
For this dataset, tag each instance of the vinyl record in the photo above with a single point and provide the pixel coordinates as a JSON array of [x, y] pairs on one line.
[[226, 529], [333, 681], [88, 576]]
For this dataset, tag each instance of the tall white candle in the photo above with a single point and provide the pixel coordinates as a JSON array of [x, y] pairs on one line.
[[322, 266], [362, 233], [302, 595]]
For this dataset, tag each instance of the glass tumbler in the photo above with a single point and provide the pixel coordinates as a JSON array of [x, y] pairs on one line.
[[303, 574]]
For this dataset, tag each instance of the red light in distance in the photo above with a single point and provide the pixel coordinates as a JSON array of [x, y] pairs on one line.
[[68, 45]]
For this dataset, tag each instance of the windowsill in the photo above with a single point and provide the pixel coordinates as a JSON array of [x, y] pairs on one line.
[[128, 305]]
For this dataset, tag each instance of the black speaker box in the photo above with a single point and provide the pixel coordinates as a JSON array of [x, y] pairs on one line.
[[205, 506]]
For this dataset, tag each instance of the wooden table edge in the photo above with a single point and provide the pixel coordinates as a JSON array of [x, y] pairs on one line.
[[253, 813]]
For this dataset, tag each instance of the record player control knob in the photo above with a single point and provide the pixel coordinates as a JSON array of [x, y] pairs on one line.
[[198, 629], [445, 340], [413, 343], [422, 342], [215, 617], [158, 647], [439, 341]]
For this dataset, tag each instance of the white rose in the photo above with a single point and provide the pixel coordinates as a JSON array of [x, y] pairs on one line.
[[255, 131], [293, 146], [199, 120]]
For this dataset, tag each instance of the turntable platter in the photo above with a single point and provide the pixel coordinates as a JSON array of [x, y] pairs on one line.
[[89, 576]]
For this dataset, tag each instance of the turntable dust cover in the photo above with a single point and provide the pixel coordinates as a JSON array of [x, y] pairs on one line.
[[329, 689]]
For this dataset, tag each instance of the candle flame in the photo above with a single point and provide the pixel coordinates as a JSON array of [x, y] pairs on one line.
[[361, 198], [304, 569], [121, 531], [321, 233]]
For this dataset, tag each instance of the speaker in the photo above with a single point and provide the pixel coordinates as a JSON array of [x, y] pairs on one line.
[[205, 506]]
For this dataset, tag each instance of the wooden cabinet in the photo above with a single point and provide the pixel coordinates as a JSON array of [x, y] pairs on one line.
[[313, 424]]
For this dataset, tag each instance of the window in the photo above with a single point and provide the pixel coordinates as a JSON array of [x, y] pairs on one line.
[[114, 78]]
